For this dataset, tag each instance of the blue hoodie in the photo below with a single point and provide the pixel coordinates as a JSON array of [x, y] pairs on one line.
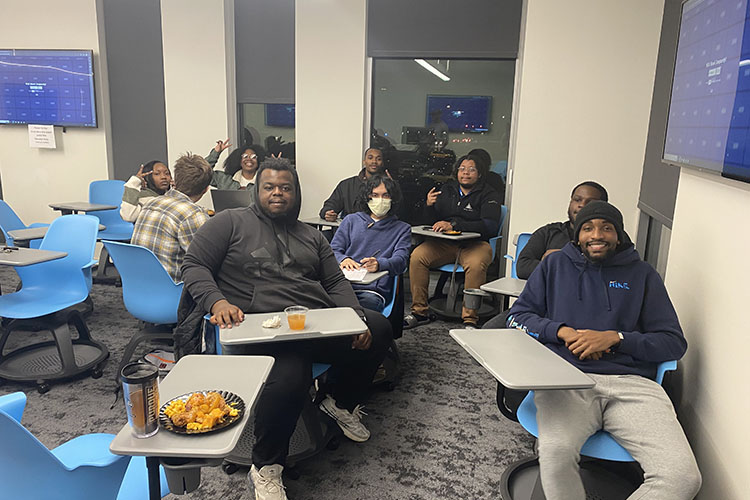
[[623, 293], [360, 236]]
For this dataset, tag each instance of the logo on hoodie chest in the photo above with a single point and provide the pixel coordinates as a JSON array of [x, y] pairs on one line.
[[617, 284]]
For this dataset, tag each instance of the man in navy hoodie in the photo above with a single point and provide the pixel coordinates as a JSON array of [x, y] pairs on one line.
[[604, 310]]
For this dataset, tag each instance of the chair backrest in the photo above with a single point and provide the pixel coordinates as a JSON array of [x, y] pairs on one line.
[[520, 241], [13, 404], [392, 299], [108, 193], [493, 241], [9, 221], [148, 291], [76, 235]]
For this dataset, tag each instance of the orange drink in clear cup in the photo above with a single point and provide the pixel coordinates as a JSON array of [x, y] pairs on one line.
[[295, 315]]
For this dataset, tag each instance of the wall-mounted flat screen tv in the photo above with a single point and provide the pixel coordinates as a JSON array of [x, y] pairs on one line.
[[709, 112], [460, 113], [280, 115], [47, 87]]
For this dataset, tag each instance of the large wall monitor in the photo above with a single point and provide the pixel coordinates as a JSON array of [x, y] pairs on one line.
[[709, 112], [460, 113], [47, 87]]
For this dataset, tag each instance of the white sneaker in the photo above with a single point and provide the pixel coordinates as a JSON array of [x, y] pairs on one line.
[[267, 482], [350, 423]]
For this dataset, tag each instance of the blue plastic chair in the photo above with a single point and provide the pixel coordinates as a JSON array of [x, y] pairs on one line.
[[601, 444], [110, 193], [10, 221], [149, 292], [519, 241], [52, 287], [458, 268], [80, 469]]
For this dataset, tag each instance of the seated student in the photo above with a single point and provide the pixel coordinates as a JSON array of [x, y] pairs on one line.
[[239, 167], [167, 224], [493, 179], [262, 259], [152, 179], [344, 197], [375, 240], [600, 307], [464, 203], [552, 237]]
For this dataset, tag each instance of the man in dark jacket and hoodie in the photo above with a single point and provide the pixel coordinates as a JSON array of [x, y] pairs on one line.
[[604, 310], [262, 259], [343, 200], [464, 203]]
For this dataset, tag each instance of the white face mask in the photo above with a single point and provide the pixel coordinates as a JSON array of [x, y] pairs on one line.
[[379, 206]]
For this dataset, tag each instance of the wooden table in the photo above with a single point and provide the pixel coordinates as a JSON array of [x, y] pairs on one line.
[[242, 375], [73, 207]]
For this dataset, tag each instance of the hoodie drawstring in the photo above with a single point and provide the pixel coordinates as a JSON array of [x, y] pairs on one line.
[[601, 279], [606, 290]]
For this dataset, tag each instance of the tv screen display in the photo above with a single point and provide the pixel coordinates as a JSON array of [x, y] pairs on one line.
[[280, 115], [459, 113], [708, 126], [47, 87]]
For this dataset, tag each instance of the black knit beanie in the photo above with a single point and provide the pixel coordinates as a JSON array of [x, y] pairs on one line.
[[600, 210]]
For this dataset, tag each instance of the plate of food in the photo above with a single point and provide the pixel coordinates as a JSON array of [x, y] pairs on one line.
[[452, 232], [201, 412]]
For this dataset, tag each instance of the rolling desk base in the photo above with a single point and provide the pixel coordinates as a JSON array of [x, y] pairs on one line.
[[603, 480]]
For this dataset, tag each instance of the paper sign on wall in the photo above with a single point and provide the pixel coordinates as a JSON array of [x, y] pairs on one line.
[[42, 136]]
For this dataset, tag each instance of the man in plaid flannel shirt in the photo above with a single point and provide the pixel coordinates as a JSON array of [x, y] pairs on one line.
[[167, 224]]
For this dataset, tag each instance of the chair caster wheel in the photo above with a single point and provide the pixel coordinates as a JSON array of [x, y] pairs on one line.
[[292, 473], [42, 388], [333, 444], [96, 373], [229, 468]]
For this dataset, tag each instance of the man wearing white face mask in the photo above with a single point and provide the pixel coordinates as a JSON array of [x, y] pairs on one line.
[[374, 239]]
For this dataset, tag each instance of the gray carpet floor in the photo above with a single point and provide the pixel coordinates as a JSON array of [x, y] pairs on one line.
[[437, 435]]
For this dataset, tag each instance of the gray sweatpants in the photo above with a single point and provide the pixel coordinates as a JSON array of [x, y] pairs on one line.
[[638, 414]]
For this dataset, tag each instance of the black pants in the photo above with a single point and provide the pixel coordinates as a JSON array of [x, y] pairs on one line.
[[283, 397]]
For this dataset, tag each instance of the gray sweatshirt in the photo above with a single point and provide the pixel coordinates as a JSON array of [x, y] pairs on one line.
[[261, 264]]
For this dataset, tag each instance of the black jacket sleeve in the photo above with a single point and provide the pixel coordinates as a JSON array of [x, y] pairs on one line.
[[531, 255], [334, 202]]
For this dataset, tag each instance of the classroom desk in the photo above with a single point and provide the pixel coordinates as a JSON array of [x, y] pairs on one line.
[[320, 223], [73, 207], [319, 323], [446, 306], [519, 361], [20, 257], [22, 237], [242, 375], [370, 277], [507, 287]]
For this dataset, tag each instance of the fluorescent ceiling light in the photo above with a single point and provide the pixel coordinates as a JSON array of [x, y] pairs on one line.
[[432, 69]]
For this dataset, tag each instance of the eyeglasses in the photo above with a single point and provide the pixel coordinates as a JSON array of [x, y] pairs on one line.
[[248, 156], [468, 170]]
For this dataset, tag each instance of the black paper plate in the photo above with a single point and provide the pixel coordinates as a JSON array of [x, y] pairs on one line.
[[231, 399]]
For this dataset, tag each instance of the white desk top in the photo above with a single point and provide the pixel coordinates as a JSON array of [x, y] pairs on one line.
[[519, 361], [81, 206], [317, 221], [33, 233], [505, 286], [27, 256], [333, 322], [427, 231], [370, 277], [242, 375]]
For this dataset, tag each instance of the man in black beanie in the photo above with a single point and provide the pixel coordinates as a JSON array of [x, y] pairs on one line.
[[596, 304]]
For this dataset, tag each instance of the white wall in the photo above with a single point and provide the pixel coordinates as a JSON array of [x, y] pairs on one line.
[[707, 275], [586, 79], [195, 74], [329, 95], [33, 178]]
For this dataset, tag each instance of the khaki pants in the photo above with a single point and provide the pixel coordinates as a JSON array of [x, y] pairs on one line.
[[474, 258]]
